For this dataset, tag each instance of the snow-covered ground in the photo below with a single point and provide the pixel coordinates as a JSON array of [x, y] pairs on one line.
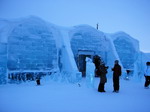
[[65, 97]]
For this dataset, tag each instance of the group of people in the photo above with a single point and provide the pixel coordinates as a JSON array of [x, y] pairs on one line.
[[101, 71]]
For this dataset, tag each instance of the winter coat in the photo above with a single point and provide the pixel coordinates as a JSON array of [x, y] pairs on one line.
[[103, 78], [147, 71], [102, 71], [116, 70]]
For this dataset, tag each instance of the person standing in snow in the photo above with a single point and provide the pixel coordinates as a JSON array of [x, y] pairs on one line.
[[90, 67], [116, 74], [102, 71], [147, 75]]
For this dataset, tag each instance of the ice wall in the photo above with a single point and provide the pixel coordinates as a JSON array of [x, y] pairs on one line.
[[3, 62], [31, 46], [84, 37], [145, 57], [127, 49]]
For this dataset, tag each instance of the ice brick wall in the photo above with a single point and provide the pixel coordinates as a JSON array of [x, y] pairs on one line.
[[126, 51], [31, 46], [3, 62], [88, 38]]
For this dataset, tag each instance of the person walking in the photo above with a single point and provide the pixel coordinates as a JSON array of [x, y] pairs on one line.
[[102, 71], [116, 74], [147, 75]]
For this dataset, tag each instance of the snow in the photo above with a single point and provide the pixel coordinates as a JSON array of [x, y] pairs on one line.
[[54, 96]]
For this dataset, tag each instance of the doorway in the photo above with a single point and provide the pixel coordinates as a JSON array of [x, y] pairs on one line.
[[81, 60]]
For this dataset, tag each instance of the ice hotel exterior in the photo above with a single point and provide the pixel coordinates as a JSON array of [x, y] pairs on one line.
[[33, 45]]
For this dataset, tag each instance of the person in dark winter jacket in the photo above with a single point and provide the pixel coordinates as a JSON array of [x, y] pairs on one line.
[[102, 71], [147, 75], [116, 74], [97, 61]]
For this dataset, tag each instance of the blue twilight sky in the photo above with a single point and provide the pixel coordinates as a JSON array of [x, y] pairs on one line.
[[130, 16]]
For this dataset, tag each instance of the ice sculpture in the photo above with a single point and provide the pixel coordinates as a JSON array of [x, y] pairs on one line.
[[90, 74]]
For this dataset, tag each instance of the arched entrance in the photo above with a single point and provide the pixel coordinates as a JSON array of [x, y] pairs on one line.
[[81, 63]]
